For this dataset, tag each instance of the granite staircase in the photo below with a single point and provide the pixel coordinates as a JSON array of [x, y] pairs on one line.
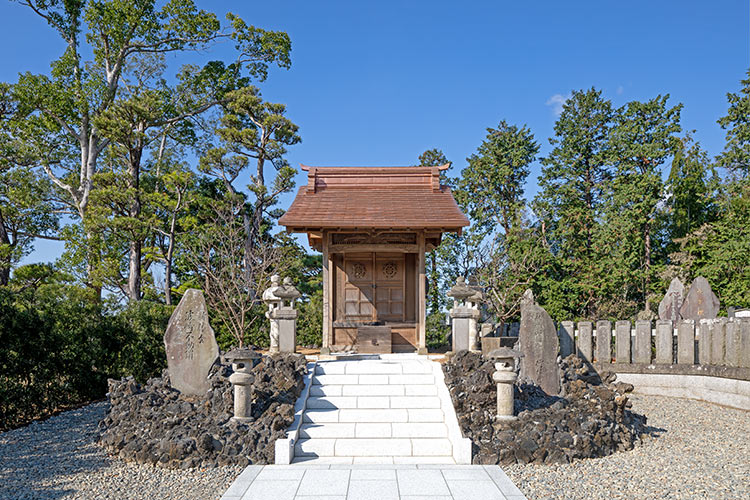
[[395, 409]]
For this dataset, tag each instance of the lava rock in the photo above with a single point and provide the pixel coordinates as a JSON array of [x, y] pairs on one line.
[[156, 424], [590, 420]]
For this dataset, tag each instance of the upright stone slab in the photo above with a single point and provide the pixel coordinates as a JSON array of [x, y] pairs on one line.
[[642, 351], [585, 342], [538, 342], [669, 307], [603, 341], [704, 341], [686, 342], [567, 334], [700, 301], [664, 334], [745, 343], [718, 339], [732, 342], [622, 342], [190, 344]]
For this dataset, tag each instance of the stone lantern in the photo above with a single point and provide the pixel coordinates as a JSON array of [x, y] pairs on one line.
[[281, 313], [243, 361], [505, 376], [465, 315]]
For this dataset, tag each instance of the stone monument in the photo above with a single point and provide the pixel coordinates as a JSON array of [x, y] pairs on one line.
[[190, 344], [538, 342], [700, 301], [669, 307]]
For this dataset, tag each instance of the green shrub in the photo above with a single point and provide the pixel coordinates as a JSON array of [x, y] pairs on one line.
[[437, 331]]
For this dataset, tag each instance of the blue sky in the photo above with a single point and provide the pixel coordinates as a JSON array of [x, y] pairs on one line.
[[377, 83]]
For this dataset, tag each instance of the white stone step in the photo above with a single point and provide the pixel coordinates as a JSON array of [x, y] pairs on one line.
[[413, 415], [373, 430], [375, 402], [379, 447], [312, 460], [372, 367]]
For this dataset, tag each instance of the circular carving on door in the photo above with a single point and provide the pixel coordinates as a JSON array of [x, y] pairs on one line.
[[358, 270], [390, 270]]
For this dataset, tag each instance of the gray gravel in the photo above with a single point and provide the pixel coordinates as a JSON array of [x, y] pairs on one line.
[[700, 450], [58, 458]]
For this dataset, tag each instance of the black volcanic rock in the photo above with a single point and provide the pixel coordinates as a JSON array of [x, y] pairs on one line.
[[155, 424], [590, 420]]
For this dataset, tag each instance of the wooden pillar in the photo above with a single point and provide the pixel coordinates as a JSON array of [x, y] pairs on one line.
[[327, 302], [421, 297]]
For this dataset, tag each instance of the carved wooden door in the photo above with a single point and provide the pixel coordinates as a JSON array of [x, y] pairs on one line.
[[389, 287], [358, 288], [374, 287]]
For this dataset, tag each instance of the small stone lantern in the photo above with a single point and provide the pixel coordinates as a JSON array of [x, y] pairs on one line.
[[243, 361], [505, 376], [464, 315], [281, 313]]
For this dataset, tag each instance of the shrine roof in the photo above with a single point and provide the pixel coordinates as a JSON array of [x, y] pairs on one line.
[[374, 197]]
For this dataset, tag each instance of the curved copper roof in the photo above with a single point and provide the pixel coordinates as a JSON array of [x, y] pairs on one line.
[[374, 197]]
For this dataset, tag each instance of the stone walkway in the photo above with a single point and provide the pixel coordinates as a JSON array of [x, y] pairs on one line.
[[373, 482]]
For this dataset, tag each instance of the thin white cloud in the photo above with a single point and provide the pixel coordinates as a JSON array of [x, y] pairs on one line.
[[620, 90], [556, 102]]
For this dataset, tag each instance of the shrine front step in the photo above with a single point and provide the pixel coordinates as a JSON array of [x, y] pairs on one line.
[[391, 410]]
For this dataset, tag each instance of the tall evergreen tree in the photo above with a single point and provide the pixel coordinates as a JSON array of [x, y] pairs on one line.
[[736, 155], [433, 158], [690, 189], [643, 138], [569, 203]]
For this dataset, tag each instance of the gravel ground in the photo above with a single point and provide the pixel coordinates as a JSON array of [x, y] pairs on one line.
[[698, 450], [58, 458]]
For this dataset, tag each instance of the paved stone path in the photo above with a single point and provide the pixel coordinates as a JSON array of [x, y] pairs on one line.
[[373, 482]]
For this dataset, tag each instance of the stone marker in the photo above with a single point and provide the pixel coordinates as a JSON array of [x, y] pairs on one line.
[[686, 342], [732, 342], [718, 341], [664, 334], [642, 351], [700, 301], [585, 342], [567, 333], [622, 342], [538, 343], [669, 307], [190, 344], [704, 341], [744, 356], [464, 316], [603, 341]]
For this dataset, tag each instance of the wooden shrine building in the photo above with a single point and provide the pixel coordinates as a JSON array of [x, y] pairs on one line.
[[373, 226]]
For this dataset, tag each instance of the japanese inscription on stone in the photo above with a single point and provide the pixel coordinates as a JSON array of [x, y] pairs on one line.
[[190, 344]]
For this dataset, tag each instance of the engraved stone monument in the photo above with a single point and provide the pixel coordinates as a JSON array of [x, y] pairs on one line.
[[190, 344], [539, 344], [700, 301], [669, 307]]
